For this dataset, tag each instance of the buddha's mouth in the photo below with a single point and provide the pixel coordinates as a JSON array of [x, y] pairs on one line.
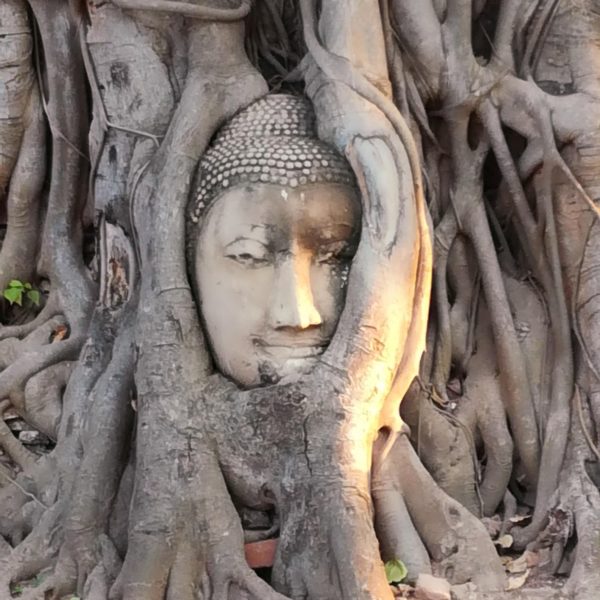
[[293, 352], [292, 348]]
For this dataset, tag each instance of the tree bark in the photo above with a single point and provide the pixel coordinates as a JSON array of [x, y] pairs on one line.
[[471, 127]]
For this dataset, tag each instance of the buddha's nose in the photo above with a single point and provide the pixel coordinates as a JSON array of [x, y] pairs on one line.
[[292, 304]]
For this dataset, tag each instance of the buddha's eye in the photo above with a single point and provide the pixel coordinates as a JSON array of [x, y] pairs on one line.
[[248, 253], [248, 260]]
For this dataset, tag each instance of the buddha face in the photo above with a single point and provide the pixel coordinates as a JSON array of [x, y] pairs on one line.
[[271, 270]]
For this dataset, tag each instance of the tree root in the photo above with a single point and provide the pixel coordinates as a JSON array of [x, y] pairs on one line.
[[62, 235], [14, 378], [53, 587], [19, 248], [209, 557], [16, 81], [51, 309], [19, 514], [576, 512], [35, 553], [398, 538], [13, 348], [327, 546], [14, 448], [242, 577], [518, 398], [440, 441], [456, 541], [445, 235], [188, 9], [43, 398], [106, 432], [97, 587]]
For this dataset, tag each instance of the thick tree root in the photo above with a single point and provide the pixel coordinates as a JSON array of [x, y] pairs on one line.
[[12, 348], [456, 541], [440, 441], [97, 586], [50, 309], [580, 503], [36, 553]]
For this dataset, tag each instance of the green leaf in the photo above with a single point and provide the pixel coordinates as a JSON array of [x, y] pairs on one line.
[[13, 294], [15, 283], [27, 286], [395, 571], [16, 589], [34, 296]]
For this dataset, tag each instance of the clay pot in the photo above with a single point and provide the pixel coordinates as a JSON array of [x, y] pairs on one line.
[[261, 554]]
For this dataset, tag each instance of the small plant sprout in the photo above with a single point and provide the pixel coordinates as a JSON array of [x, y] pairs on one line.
[[16, 290], [395, 571]]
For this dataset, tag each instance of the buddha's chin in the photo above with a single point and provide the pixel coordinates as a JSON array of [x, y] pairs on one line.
[[293, 369], [285, 370]]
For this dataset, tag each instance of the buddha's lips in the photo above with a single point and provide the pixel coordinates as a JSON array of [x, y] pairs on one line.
[[291, 349]]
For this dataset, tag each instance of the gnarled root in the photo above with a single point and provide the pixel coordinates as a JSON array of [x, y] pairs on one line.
[[51, 308], [327, 545], [13, 348], [443, 442], [456, 541], [169, 559], [576, 511], [43, 397], [396, 532], [35, 553]]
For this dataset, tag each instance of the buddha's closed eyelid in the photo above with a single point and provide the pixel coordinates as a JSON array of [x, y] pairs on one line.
[[248, 253]]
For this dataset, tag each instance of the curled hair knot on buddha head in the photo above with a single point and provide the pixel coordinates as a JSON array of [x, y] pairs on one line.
[[274, 140]]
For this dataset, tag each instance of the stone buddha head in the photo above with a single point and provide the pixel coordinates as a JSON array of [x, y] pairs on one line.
[[273, 227]]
